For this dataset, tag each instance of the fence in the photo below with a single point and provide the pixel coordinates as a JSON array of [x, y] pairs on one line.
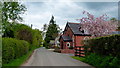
[[79, 51]]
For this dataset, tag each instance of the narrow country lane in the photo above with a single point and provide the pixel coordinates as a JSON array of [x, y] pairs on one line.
[[44, 57]]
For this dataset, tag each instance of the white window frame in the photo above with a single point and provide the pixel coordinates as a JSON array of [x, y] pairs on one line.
[[68, 43], [86, 38]]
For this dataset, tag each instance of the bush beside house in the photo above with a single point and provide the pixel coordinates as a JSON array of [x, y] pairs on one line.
[[106, 46]]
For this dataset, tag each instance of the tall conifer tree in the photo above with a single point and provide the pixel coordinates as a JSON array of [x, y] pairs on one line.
[[52, 31]]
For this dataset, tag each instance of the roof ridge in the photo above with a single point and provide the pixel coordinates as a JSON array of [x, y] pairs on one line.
[[73, 23]]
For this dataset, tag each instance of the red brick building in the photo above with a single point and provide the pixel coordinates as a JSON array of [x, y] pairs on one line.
[[72, 36]]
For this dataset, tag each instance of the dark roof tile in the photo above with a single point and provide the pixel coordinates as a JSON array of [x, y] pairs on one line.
[[116, 32], [66, 38], [75, 28]]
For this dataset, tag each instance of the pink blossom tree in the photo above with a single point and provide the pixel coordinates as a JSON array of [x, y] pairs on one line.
[[97, 26]]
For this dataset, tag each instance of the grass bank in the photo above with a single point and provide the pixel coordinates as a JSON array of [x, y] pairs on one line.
[[78, 58], [100, 61]]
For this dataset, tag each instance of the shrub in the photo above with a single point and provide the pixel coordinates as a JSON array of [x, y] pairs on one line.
[[47, 45], [105, 61], [115, 62], [13, 48], [103, 52], [93, 59], [102, 61], [57, 49], [37, 38], [8, 54]]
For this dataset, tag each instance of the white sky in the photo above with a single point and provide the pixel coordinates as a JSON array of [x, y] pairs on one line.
[[40, 12]]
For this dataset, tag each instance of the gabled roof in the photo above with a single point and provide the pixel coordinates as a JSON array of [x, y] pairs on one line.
[[116, 32], [66, 38], [75, 28]]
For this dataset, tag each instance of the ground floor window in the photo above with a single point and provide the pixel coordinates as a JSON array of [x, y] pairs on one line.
[[68, 44]]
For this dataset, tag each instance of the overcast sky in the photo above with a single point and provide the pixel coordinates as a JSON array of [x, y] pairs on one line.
[[39, 13]]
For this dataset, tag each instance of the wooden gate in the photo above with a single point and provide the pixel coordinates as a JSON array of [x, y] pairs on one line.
[[79, 51]]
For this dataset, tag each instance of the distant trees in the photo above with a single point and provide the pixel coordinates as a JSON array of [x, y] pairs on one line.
[[97, 27], [23, 32], [52, 32], [44, 30], [37, 38], [113, 19], [45, 26]]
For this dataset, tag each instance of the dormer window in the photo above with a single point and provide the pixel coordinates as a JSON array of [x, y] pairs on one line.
[[79, 27], [81, 30]]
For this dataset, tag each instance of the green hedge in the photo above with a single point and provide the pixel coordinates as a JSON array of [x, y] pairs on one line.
[[37, 38], [13, 48], [102, 61], [106, 46]]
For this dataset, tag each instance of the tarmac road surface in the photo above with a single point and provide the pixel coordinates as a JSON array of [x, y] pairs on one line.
[[44, 57]]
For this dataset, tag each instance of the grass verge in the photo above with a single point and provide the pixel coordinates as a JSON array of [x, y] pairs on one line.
[[19, 61], [78, 58]]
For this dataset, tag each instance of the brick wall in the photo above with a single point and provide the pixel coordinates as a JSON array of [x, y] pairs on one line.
[[78, 40], [68, 32], [67, 51]]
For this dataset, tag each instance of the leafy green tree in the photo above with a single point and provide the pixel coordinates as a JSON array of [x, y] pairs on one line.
[[37, 38], [44, 29], [52, 31], [0, 18], [11, 12], [8, 30], [23, 32], [113, 19], [0, 34], [45, 26]]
